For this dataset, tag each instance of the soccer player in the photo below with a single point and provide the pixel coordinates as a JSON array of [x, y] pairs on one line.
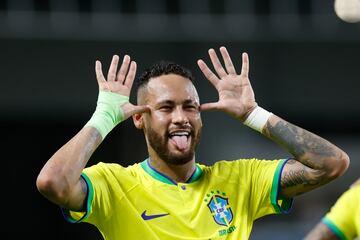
[[169, 195], [343, 220]]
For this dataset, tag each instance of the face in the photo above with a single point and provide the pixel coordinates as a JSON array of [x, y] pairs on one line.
[[173, 126]]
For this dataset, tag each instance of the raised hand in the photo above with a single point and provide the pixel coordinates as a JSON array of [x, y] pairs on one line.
[[236, 96], [120, 82]]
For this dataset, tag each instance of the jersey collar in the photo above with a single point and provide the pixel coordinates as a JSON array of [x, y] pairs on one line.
[[165, 179]]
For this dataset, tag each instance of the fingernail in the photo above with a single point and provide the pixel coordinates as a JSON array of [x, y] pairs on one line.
[[126, 57]]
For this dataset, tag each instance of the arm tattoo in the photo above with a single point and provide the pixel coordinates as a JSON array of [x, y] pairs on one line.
[[296, 177], [317, 160], [300, 143], [300, 175], [293, 178]]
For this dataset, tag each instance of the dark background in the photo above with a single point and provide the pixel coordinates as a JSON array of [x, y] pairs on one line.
[[304, 67]]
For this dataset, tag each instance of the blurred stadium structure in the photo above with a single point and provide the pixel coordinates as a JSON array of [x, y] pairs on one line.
[[303, 66], [174, 20]]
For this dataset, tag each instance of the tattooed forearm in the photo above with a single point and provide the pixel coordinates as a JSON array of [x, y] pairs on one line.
[[302, 144], [316, 160]]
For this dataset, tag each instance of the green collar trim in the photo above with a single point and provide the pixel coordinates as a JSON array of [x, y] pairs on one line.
[[165, 179]]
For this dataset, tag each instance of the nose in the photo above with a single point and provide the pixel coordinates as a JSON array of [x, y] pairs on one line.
[[179, 116]]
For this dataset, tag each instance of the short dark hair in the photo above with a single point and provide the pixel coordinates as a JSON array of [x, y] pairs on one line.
[[162, 68]]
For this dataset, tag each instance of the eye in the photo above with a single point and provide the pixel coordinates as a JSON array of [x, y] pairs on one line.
[[191, 107], [165, 108]]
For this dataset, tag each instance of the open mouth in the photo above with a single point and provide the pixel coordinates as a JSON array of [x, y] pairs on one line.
[[180, 138]]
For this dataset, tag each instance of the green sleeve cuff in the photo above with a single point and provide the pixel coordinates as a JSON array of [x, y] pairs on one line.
[[281, 205], [332, 226], [89, 197]]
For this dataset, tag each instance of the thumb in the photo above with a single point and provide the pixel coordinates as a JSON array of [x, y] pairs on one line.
[[214, 106], [130, 109], [140, 109]]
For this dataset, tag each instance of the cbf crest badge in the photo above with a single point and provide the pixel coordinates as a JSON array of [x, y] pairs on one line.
[[219, 207]]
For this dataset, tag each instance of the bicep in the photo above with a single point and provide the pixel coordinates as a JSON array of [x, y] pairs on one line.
[[321, 232], [77, 197], [297, 178]]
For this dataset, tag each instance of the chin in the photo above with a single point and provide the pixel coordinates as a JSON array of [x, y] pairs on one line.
[[178, 159]]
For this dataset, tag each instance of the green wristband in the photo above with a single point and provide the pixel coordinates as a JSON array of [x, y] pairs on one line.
[[108, 112]]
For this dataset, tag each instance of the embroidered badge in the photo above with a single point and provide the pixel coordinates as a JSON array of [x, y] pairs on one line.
[[219, 207]]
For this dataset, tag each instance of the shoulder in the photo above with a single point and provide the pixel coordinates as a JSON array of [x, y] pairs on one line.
[[353, 193], [349, 201], [111, 169], [239, 166], [244, 162]]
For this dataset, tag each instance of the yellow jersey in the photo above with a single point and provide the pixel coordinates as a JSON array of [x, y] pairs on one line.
[[344, 217], [218, 202]]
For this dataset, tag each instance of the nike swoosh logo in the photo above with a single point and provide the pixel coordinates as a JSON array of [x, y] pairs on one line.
[[148, 217]]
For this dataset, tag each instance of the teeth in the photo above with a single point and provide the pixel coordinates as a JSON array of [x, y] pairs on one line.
[[179, 134]]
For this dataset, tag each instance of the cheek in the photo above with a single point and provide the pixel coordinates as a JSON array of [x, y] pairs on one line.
[[159, 118], [197, 121], [156, 121], [196, 125]]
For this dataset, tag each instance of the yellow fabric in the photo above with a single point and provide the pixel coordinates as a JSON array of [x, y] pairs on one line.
[[345, 214], [240, 191]]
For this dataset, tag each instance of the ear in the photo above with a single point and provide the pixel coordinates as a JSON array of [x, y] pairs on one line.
[[138, 120]]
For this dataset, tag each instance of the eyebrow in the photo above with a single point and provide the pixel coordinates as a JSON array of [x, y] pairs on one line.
[[170, 102]]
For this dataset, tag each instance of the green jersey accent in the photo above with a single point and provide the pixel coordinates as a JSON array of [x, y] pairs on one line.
[[344, 217], [218, 202]]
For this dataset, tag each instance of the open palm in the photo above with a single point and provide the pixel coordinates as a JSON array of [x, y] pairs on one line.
[[119, 82], [236, 96]]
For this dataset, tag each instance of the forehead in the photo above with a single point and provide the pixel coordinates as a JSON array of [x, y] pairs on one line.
[[171, 87]]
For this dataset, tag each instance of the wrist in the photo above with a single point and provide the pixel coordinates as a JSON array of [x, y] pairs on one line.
[[257, 119], [108, 112]]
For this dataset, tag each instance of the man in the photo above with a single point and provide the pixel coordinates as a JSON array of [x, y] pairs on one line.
[[343, 220], [169, 195]]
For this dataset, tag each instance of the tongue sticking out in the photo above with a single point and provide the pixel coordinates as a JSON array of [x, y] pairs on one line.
[[180, 141]]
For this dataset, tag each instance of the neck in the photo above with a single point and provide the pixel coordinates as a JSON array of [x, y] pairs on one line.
[[177, 173]]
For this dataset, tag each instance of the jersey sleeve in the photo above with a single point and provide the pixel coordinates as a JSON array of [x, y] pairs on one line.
[[341, 218], [100, 181], [265, 187]]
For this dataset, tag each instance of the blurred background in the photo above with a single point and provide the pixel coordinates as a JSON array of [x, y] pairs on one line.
[[304, 67]]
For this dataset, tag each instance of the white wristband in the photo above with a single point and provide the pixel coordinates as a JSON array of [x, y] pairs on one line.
[[257, 119]]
